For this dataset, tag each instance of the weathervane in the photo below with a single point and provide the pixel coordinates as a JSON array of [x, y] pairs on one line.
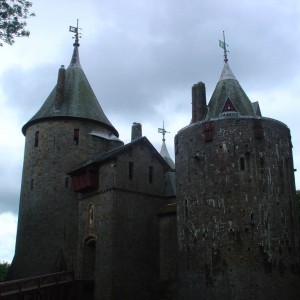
[[223, 45], [163, 131], [77, 34]]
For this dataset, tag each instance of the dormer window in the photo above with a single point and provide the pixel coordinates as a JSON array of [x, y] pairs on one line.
[[229, 109]]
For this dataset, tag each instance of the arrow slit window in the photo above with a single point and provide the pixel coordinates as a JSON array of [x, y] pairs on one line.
[[36, 138], [130, 170], [76, 136], [150, 174]]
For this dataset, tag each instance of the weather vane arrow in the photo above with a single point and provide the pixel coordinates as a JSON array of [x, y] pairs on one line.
[[163, 131], [223, 45], [77, 34]]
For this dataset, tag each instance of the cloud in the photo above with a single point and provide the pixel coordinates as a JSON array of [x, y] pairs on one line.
[[8, 225], [142, 58]]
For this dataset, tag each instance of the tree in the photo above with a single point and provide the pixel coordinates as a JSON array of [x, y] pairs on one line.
[[298, 202], [13, 14], [4, 266]]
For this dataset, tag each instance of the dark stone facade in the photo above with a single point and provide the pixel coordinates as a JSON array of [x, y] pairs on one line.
[[48, 212], [121, 217], [110, 213], [237, 226]]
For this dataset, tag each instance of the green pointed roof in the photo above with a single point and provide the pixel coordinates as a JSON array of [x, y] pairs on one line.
[[77, 99], [228, 87]]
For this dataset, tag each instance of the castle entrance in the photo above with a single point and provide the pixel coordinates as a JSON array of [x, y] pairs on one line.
[[89, 258]]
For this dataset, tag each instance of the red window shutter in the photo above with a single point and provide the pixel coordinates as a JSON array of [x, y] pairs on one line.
[[208, 132]]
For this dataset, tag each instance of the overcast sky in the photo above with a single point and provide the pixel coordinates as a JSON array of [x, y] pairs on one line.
[[141, 58]]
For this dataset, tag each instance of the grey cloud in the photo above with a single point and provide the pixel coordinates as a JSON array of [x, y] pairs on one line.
[[10, 187], [143, 55]]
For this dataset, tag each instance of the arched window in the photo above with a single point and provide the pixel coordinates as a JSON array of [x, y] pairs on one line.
[[91, 215]]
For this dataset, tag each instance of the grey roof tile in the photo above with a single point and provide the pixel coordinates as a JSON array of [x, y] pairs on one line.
[[78, 100], [166, 156], [229, 87]]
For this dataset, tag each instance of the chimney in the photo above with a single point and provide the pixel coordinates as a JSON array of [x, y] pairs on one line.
[[136, 131], [60, 87], [199, 107]]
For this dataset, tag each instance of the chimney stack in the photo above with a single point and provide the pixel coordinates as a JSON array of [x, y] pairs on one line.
[[199, 107], [136, 131], [60, 87]]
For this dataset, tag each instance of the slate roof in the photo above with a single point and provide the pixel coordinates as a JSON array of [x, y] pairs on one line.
[[256, 108], [166, 156], [229, 87], [105, 156], [79, 100], [170, 183]]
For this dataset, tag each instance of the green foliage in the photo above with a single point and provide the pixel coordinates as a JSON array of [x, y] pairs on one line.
[[4, 266], [13, 14]]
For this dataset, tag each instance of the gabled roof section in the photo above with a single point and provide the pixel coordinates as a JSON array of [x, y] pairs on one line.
[[256, 109], [76, 98], [229, 87], [105, 156]]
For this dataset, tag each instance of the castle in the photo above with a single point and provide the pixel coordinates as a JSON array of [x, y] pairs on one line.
[[225, 227]]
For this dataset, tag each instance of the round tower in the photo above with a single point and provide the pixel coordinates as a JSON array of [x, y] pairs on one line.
[[237, 225], [68, 129]]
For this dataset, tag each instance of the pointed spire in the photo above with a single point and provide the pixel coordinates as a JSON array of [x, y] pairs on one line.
[[226, 73], [228, 98], [164, 151], [72, 97], [75, 62]]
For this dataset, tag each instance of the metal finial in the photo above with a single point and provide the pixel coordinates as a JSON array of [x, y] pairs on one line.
[[223, 45], [77, 35], [163, 131]]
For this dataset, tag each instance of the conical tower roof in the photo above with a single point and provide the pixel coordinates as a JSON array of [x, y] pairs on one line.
[[229, 96], [77, 99]]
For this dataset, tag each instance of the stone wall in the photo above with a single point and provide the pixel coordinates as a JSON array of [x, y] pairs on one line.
[[48, 213], [125, 226], [237, 228]]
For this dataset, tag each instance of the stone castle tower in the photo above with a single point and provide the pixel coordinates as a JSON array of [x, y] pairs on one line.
[[237, 224], [223, 228], [69, 128]]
